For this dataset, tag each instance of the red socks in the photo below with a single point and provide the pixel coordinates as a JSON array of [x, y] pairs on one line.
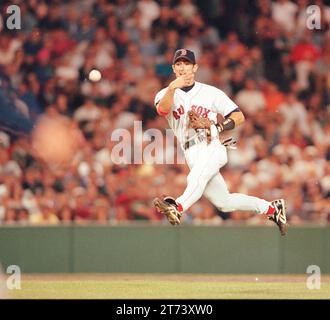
[[270, 210], [180, 209]]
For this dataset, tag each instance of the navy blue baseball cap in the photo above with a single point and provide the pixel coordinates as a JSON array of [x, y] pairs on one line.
[[184, 54]]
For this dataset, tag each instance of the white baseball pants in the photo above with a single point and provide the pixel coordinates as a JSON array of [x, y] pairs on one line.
[[205, 179]]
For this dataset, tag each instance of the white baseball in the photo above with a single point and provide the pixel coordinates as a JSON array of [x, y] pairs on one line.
[[94, 75]]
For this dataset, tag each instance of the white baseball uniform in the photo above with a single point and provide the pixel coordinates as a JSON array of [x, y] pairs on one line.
[[203, 159]]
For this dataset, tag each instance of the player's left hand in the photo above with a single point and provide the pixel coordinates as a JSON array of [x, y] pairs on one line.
[[198, 122]]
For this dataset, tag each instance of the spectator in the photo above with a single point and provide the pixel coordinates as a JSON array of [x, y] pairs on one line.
[[150, 11], [304, 55], [294, 112], [250, 99], [46, 215], [87, 112], [187, 9], [284, 13], [273, 97]]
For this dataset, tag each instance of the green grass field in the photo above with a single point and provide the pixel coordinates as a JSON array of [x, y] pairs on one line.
[[129, 286]]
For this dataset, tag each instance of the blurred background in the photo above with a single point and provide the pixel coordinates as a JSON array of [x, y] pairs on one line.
[[259, 52]]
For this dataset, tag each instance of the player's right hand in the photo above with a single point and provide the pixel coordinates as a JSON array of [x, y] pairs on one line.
[[182, 81]]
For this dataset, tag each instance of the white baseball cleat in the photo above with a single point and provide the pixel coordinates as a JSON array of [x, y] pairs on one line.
[[169, 208], [279, 216]]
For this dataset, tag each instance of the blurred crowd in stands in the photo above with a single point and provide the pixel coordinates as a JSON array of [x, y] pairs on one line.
[[260, 52]]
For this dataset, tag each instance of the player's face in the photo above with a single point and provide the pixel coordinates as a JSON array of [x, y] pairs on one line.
[[182, 67]]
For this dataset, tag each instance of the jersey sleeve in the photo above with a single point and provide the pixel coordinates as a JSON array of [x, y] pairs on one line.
[[158, 97], [222, 103]]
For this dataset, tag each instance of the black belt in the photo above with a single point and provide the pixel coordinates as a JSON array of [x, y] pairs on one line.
[[191, 143], [227, 142]]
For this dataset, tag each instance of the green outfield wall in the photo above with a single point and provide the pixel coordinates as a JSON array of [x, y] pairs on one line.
[[164, 249]]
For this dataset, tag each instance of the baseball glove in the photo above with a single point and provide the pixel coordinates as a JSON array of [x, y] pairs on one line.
[[198, 122]]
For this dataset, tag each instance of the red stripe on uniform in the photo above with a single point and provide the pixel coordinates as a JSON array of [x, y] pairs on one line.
[[161, 113]]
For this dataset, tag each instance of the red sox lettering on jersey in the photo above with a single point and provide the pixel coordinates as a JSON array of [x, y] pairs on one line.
[[202, 111], [206, 100]]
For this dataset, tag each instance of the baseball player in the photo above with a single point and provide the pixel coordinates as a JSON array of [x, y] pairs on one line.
[[191, 109]]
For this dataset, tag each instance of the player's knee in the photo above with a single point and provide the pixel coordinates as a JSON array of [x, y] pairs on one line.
[[228, 204], [220, 201], [223, 163], [223, 160], [226, 209], [202, 179]]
